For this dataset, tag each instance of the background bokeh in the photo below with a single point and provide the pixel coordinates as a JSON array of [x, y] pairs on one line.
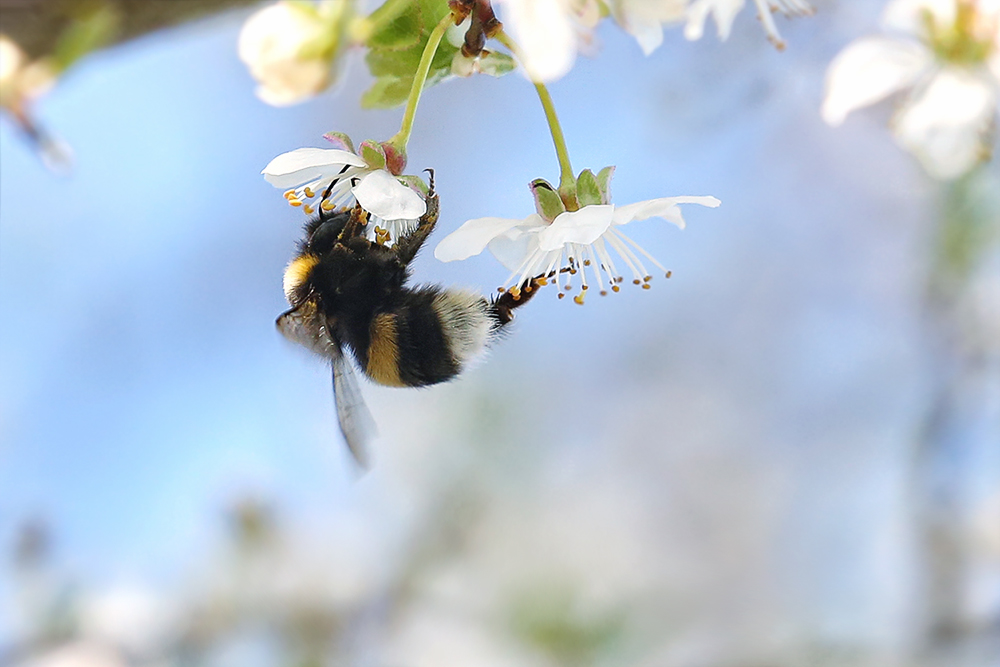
[[787, 454]]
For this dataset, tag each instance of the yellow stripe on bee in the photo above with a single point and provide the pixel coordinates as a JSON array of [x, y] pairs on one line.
[[297, 272], [383, 351]]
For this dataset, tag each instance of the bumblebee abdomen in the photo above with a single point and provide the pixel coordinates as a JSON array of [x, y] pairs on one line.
[[427, 336]]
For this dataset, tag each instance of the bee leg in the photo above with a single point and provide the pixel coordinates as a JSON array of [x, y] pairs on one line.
[[408, 245], [503, 306], [355, 226]]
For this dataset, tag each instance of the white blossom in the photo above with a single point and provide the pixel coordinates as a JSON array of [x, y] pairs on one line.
[[550, 32], [946, 54], [290, 49], [573, 242], [644, 19], [21, 80], [329, 178], [725, 11]]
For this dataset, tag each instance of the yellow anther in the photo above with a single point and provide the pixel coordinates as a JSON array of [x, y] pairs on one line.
[[585, 287], [295, 202], [568, 287], [501, 290], [309, 192], [615, 288], [669, 273], [578, 299], [636, 281], [515, 292], [561, 295], [309, 210], [289, 194], [620, 279], [646, 286], [604, 292], [572, 272], [586, 262], [647, 279], [326, 205]]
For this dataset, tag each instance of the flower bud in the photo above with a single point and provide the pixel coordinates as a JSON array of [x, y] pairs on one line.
[[290, 49]]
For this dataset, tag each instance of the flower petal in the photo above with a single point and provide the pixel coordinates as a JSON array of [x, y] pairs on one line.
[[868, 70], [945, 126], [307, 164], [473, 236], [664, 207], [383, 196], [546, 34], [515, 245], [584, 226]]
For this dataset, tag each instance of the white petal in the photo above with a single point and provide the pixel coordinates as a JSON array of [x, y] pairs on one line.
[[945, 126], [644, 19], [545, 32], [515, 245], [908, 15], [308, 164], [584, 227], [869, 70], [382, 195], [664, 207], [471, 238], [724, 12]]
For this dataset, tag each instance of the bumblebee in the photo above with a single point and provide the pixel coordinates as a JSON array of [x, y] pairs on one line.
[[349, 293]]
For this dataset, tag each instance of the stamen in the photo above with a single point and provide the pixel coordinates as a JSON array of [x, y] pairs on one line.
[[578, 299], [309, 192], [643, 251], [289, 194], [669, 273], [295, 202], [308, 210]]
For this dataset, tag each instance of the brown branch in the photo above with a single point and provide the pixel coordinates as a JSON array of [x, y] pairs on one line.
[[36, 25]]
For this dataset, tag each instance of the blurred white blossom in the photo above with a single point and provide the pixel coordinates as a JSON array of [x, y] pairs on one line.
[[725, 11], [550, 32], [291, 48], [80, 654], [946, 53], [21, 80]]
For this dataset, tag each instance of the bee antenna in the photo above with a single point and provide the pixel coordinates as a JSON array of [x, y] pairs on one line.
[[355, 181], [431, 174]]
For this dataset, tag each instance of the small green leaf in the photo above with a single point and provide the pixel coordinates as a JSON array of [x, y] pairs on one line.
[[88, 32], [587, 190], [386, 92], [396, 30]]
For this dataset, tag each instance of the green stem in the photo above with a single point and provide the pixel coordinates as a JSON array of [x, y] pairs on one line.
[[419, 79], [567, 181]]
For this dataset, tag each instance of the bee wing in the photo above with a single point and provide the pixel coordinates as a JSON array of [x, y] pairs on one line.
[[305, 326], [356, 422]]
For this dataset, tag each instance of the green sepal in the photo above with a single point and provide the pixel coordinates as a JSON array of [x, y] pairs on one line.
[[373, 154], [604, 183], [588, 193], [340, 140], [415, 182], [547, 200]]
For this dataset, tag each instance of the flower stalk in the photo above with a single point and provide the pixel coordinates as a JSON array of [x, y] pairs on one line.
[[567, 182], [402, 138]]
